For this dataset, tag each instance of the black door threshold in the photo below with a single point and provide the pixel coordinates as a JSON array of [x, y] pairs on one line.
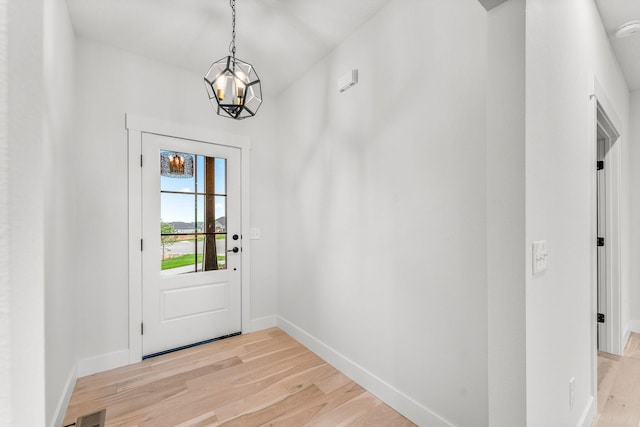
[[160, 353]]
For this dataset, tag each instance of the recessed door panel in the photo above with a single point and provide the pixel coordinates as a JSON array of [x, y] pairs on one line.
[[192, 301]]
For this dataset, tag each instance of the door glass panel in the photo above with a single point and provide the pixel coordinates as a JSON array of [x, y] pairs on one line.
[[221, 176], [193, 215], [200, 173], [179, 253], [201, 208], [221, 214], [178, 185], [179, 210]]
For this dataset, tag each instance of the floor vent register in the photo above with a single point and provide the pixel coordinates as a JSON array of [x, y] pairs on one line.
[[92, 420]]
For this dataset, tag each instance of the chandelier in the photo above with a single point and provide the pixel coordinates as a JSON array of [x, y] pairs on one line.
[[233, 86]]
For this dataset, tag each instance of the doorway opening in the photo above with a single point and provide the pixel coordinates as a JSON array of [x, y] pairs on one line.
[[189, 272], [608, 296], [607, 332], [191, 230]]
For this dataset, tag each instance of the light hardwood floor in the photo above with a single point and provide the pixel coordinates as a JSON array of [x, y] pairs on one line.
[[261, 379], [619, 387]]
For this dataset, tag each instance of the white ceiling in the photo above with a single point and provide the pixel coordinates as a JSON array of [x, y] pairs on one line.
[[615, 13], [280, 38]]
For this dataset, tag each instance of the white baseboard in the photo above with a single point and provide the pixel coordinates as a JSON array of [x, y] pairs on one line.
[[65, 397], [103, 362], [261, 323], [393, 397], [625, 338], [634, 326], [590, 411]]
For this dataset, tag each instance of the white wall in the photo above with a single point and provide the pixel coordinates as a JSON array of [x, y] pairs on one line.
[[506, 214], [382, 237], [24, 232], [565, 44], [5, 282], [109, 83], [60, 204], [634, 214]]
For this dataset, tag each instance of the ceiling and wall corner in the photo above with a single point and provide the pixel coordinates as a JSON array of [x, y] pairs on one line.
[[490, 4], [627, 50], [192, 34], [281, 38]]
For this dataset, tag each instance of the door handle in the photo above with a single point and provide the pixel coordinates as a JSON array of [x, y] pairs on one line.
[[235, 250]]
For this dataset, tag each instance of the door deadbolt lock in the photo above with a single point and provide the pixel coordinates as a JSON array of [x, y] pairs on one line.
[[235, 237], [235, 250]]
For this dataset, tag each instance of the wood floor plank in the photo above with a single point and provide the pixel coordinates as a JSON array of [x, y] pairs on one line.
[[619, 387], [265, 415], [383, 415], [333, 382], [256, 393], [304, 379], [608, 366], [265, 378], [622, 408], [349, 413], [313, 409], [185, 374]]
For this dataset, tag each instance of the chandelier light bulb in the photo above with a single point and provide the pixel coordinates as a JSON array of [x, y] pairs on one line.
[[219, 87], [241, 77], [176, 164]]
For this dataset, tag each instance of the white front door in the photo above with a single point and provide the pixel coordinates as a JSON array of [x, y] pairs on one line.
[[191, 275]]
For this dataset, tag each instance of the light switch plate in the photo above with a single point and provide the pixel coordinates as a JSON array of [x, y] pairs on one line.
[[539, 256], [254, 234]]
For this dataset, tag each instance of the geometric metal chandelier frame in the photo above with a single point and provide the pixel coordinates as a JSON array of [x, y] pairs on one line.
[[233, 86]]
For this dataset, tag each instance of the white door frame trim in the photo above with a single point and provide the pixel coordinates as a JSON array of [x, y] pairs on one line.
[[599, 104], [612, 163], [136, 126]]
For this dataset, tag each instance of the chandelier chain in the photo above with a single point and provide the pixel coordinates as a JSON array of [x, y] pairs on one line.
[[232, 46]]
